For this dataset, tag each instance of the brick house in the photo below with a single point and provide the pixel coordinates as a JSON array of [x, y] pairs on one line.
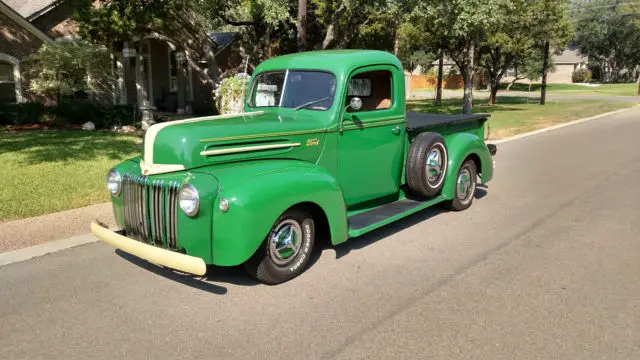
[[154, 73]]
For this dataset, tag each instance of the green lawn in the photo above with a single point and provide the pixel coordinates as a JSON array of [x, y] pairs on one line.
[[49, 171], [603, 89], [515, 115]]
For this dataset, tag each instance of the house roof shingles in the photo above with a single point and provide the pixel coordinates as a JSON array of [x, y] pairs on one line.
[[570, 56], [27, 8], [223, 38]]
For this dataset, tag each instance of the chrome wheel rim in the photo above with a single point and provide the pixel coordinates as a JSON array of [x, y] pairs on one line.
[[466, 187], [285, 242], [435, 165]]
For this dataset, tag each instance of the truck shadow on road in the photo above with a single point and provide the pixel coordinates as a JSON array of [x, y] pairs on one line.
[[231, 275], [237, 276], [393, 228]]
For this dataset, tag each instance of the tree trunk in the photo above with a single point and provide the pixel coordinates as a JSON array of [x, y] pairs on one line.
[[439, 82], [638, 81], [545, 65], [302, 25], [331, 29], [467, 75], [396, 45], [467, 102], [493, 91]]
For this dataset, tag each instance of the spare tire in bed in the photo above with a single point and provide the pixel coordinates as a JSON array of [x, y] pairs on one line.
[[426, 165]]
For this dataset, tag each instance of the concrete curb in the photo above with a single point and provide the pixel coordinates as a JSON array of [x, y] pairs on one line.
[[559, 126], [44, 249], [52, 247]]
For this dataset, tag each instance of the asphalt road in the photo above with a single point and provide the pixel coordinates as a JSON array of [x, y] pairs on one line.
[[545, 265]]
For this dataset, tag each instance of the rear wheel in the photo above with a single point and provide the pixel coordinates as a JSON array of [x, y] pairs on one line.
[[426, 165], [286, 250], [466, 182]]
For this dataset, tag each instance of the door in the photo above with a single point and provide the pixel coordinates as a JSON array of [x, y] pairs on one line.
[[370, 150]]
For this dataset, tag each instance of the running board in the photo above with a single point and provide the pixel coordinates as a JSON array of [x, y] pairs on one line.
[[380, 216]]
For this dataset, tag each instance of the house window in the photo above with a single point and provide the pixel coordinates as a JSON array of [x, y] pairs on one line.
[[7, 83]]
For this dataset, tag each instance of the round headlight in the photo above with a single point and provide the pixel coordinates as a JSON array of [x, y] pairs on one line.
[[189, 200], [114, 182]]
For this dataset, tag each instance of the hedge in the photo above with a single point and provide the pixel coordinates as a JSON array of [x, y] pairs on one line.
[[581, 76], [66, 113]]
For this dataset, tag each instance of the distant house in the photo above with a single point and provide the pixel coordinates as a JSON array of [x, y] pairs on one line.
[[155, 73], [566, 63]]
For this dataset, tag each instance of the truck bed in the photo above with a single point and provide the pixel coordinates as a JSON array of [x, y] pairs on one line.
[[417, 121]]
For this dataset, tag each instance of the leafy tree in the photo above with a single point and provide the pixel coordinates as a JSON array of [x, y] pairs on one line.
[[508, 42], [551, 33], [114, 22], [459, 27], [529, 67], [68, 68], [608, 32]]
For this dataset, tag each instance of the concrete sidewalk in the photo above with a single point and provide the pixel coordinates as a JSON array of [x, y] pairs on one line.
[[38, 230]]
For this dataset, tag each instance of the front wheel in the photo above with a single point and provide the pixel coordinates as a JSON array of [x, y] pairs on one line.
[[466, 182], [286, 250]]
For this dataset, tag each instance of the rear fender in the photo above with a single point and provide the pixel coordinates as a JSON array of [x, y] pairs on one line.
[[256, 203], [459, 147]]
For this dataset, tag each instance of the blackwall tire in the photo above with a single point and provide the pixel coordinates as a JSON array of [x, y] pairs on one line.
[[427, 163], [466, 183], [286, 250]]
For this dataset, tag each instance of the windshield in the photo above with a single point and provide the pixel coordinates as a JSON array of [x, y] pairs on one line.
[[313, 90]]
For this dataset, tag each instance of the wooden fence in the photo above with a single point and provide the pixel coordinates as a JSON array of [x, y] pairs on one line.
[[448, 81]]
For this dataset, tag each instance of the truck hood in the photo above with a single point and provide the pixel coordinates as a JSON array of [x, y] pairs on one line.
[[186, 144]]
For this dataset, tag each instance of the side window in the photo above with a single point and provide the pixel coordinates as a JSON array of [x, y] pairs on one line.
[[7, 84], [374, 88]]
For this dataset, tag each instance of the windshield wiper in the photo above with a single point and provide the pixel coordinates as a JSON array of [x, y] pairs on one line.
[[311, 103]]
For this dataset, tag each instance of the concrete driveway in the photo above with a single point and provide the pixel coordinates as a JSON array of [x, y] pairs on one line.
[[545, 265]]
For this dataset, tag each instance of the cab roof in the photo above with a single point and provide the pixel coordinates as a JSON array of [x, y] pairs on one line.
[[335, 61]]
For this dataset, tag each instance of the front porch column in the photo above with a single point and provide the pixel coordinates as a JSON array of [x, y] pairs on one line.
[[121, 89], [143, 92], [182, 82]]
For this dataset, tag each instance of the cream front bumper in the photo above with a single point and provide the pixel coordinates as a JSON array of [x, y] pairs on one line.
[[156, 255]]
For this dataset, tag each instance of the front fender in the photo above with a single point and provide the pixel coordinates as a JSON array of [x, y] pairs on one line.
[[459, 147], [256, 202]]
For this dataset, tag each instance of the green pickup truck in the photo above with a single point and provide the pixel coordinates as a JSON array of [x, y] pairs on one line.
[[324, 148]]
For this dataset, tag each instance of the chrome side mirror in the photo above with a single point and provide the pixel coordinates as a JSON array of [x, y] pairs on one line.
[[355, 103]]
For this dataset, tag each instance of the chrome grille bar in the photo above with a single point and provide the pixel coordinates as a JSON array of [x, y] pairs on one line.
[[150, 210]]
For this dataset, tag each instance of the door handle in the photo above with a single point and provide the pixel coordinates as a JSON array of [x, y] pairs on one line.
[[396, 130]]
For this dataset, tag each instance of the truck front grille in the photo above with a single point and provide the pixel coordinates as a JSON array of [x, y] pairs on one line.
[[151, 210]]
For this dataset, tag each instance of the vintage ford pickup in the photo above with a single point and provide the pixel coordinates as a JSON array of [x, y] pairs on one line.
[[324, 148]]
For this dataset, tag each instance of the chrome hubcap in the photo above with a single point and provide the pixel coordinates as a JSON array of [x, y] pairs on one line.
[[466, 187], [434, 165], [285, 242]]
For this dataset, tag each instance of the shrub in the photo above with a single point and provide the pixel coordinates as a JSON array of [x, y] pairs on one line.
[[22, 114], [581, 76], [66, 113], [68, 67], [228, 95]]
